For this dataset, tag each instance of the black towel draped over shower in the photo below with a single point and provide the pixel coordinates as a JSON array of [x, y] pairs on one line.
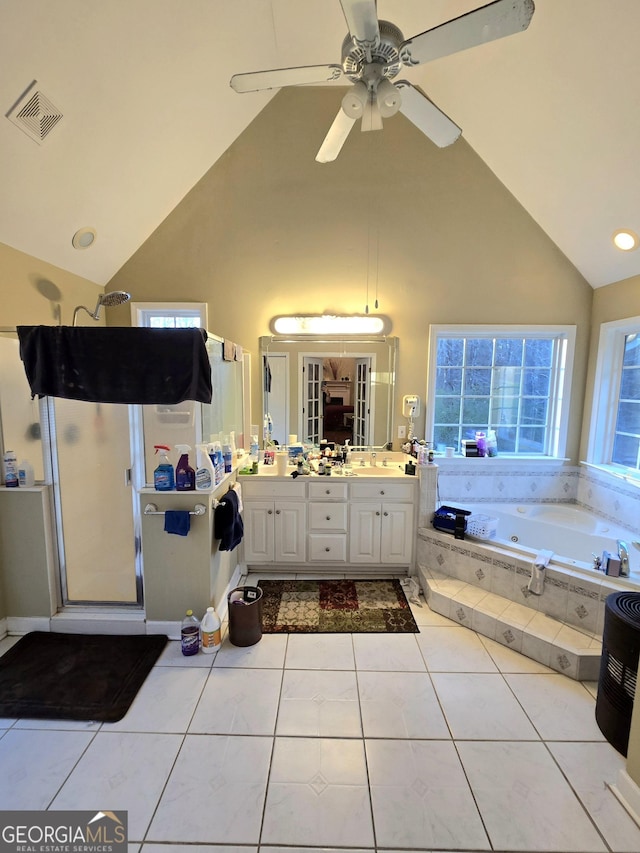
[[116, 364]]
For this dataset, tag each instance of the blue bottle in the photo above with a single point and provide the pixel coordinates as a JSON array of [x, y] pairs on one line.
[[185, 474], [163, 478]]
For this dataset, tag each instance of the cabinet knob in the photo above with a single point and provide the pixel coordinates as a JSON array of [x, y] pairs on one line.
[[385, 513], [382, 491], [328, 518], [378, 512], [327, 548], [277, 512], [327, 491], [269, 512]]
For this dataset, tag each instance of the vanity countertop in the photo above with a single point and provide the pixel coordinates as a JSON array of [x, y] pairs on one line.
[[376, 472]]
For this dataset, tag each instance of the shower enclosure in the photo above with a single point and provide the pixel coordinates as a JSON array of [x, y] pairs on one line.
[[96, 457]]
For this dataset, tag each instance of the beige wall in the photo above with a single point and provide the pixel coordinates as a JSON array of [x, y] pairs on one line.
[[269, 231], [34, 292]]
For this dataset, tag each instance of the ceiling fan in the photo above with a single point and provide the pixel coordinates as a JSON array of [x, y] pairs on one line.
[[374, 51]]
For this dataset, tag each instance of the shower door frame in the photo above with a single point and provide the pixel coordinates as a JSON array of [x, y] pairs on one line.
[[134, 479]]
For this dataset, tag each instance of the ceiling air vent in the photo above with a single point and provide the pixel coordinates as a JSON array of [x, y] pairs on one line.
[[34, 113]]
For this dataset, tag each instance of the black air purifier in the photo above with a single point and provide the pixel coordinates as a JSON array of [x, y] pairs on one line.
[[618, 667]]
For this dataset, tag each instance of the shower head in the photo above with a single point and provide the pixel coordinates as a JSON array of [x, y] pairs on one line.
[[115, 297]]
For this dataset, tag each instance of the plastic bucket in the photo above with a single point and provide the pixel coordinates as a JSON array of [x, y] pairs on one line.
[[245, 615]]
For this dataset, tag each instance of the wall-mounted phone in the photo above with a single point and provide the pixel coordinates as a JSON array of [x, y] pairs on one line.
[[411, 406]]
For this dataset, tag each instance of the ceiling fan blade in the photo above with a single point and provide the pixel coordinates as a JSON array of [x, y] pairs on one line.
[[335, 139], [254, 81], [498, 19], [426, 116], [362, 20]]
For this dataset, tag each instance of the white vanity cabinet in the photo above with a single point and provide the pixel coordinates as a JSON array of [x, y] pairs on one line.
[[381, 523], [274, 522], [327, 519]]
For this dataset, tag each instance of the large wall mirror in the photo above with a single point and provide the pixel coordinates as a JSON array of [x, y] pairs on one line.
[[335, 390]]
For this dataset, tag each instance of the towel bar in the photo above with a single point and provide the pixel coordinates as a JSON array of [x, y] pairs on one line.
[[152, 509]]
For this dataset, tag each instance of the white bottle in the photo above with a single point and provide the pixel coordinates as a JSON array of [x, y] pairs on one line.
[[205, 472], [10, 470], [210, 630], [26, 476]]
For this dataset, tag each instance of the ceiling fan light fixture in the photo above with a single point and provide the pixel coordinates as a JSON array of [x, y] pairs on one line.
[[355, 100], [625, 240], [389, 98]]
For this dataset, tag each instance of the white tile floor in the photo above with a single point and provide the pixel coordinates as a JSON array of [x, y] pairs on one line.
[[442, 740]]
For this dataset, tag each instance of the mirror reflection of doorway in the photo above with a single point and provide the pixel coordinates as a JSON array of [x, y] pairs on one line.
[[336, 407]]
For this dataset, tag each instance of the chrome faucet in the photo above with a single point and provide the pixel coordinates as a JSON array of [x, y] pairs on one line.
[[623, 554]]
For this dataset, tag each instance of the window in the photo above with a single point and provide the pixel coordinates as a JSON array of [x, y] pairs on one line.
[[169, 315], [513, 380], [615, 425]]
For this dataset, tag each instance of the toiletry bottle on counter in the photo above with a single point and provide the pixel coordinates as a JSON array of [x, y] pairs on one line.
[[210, 629], [10, 470], [163, 476], [26, 476], [190, 634], [185, 475], [492, 443], [205, 472], [227, 454]]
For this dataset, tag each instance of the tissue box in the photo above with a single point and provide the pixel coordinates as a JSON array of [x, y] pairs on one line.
[[469, 447]]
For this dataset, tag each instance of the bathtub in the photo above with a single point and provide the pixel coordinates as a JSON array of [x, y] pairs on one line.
[[572, 533]]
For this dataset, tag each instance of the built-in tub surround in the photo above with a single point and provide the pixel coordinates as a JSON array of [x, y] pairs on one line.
[[485, 584]]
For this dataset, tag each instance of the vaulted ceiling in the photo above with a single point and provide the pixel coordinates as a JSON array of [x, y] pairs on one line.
[[143, 89]]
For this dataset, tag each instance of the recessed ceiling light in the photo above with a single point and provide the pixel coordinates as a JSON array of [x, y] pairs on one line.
[[625, 240], [83, 238]]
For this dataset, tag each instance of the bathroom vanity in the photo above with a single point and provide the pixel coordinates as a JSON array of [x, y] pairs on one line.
[[365, 523]]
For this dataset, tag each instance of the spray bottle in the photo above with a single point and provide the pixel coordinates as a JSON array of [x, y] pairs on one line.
[[215, 451], [185, 475], [227, 454], [163, 477], [205, 472]]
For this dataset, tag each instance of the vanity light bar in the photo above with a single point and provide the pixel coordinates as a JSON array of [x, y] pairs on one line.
[[330, 324]]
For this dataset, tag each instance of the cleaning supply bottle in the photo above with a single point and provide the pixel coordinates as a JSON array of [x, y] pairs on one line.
[[227, 454], [492, 443], [190, 634], [205, 472], [185, 475], [163, 476], [210, 629], [11, 470], [26, 476]]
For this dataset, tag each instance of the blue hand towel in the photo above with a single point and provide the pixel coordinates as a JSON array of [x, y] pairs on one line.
[[177, 521]]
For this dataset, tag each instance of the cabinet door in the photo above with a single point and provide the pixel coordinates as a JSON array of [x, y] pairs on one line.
[[290, 532], [396, 536], [258, 531], [364, 532]]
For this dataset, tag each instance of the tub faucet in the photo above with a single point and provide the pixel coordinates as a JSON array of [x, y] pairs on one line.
[[623, 554]]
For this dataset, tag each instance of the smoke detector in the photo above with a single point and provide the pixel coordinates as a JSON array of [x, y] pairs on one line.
[[34, 114]]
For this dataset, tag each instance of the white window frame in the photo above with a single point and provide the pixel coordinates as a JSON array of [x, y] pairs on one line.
[[142, 311], [562, 375], [606, 392]]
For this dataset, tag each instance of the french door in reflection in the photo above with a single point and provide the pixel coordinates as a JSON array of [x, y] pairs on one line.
[[92, 447]]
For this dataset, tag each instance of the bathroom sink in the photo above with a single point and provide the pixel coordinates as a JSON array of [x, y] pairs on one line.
[[379, 471]]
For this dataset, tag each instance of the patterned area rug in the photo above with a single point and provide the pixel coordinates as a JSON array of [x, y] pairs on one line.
[[335, 606]]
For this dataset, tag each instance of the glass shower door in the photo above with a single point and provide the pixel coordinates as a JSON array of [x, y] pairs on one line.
[[92, 448]]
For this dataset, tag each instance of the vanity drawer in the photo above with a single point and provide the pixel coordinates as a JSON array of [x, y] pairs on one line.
[[383, 491], [328, 491], [328, 547], [272, 489], [328, 516]]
